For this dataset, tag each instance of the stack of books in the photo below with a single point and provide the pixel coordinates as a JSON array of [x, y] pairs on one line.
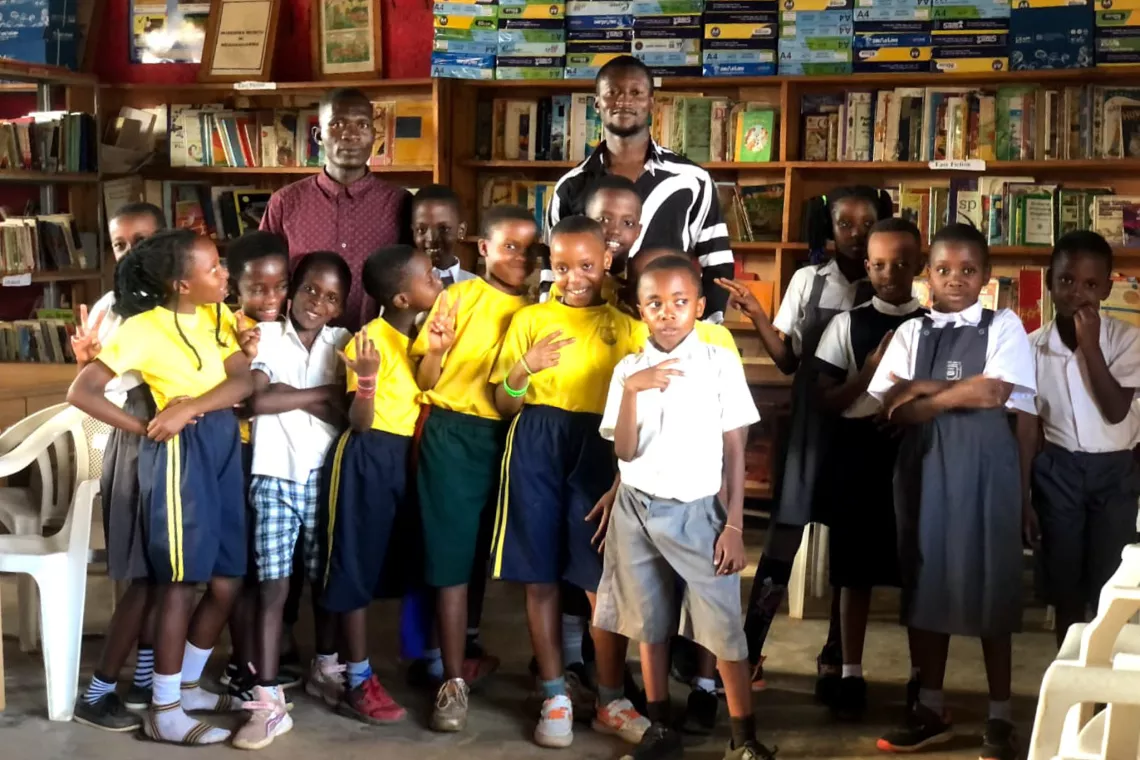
[[892, 36], [1117, 27], [49, 141], [978, 44], [667, 36], [465, 40], [597, 31], [41, 31], [527, 63], [740, 38], [43, 340], [816, 37]]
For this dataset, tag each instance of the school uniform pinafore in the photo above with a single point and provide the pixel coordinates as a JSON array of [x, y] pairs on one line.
[[958, 501]]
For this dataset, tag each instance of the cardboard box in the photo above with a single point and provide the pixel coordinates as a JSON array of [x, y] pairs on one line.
[[460, 72], [527, 72], [969, 65], [894, 54], [533, 10], [736, 57], [738, 69], [669, 59]]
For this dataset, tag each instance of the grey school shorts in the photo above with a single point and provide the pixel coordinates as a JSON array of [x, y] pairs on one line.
[[652, 547]]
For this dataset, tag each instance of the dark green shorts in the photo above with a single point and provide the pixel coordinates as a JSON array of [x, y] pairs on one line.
[[459, 462]]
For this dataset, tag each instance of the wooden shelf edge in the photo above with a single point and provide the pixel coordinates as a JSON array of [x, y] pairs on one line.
[[56, 177], [362, 84], [1113, 165], [757, 490], [66, 275], [158, 171], [36, 73]]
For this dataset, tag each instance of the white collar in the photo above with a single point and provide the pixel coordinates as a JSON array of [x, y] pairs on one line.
[[326, 334], [832, 270], [452, 270], [883, 307], [971, 315], [1055, 345], [681, 351]]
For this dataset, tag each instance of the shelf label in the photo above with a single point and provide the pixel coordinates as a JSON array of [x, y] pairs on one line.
[[17, 280], [255, 85], [959, 164], [657, 82]]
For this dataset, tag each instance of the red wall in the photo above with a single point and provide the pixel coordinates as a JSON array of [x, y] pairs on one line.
[[407, 28]]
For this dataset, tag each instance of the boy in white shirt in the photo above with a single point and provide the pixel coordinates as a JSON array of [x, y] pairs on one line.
[[677, 443], [1084, 481], [436, 229], [298, 410]]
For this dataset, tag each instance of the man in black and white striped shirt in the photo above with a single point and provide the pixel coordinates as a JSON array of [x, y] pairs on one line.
[[679, 202]]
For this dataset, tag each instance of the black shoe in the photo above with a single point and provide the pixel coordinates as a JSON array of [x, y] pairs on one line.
[[138, 697], [659, 743], [232, 670], [634, 693], [998, 741], [107, 713], [829, 670], [922, 729], [851, 699], [700, 713], [683, 660], [750, 750]]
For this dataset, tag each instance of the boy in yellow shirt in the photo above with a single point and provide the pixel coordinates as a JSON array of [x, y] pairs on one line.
[[556, 360]]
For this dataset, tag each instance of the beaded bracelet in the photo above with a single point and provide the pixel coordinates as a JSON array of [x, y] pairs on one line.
[[512, 392]]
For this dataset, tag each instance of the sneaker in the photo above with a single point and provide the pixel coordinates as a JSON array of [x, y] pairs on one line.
[[620, 718], [828, 676], [750, 750], [700, 713], [138, 697], [850, 699], [229, 673], [370, 703], [998, 741], [107, 713], [269, 720], [922, 729], [580, 687], [658, 743], [450, 713], [326, 682], [242, 685], [556, 725]]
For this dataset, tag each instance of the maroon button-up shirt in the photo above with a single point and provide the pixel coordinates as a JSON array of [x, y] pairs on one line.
[[319, 214]]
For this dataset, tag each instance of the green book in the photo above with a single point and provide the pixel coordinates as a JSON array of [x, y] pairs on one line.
[[755, 136], [696, 122]]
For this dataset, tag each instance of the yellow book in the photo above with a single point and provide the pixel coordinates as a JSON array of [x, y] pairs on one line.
[[414, 134]]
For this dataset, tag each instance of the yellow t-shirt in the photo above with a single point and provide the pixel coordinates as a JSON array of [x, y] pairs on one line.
[[397, 395], [707, 332], [481, 321], [150, 344], [611, 290], [602, 335], [245, 426]]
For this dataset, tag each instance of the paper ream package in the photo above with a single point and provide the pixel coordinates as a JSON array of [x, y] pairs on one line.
[[464, 48], [599, 8], [665, 22], [532, 48], [598, 22], [738, 69], [969, 65], [734, 57], [893, 54], [528, 72], [461, 72], [533, 10], [669, 59], [666, 46], [741, 31]]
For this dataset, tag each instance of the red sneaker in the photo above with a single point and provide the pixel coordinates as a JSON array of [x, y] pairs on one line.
[[476, 669], [370, 703]]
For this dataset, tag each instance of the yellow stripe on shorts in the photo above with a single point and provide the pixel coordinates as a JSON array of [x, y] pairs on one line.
[[334, 489], [498, 539], [174, 508]]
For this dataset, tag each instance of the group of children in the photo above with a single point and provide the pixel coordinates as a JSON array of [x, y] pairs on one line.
[[590, 448]]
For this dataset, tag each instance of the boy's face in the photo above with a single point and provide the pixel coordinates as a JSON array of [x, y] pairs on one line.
[[1078, 280], [892, 263], [319, 298], [506, 252], [619, 213], [126, 231], [957, 275], [421, 285], [205, 280], [669, 301], [851, 223], [580, 261], [262, 286], [637, 265], [436, 229]]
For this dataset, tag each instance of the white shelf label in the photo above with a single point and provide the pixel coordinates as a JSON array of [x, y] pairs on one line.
[[17, 280], [657, 82], [255, 85], [959, 164]]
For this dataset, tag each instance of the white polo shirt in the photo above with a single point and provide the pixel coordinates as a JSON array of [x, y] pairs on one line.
[[116, 389], [293, 444], [680, 431], [1069, 414], [1008, 357], [838, 293]]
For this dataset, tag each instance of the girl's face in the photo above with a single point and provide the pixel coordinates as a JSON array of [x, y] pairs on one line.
[[262, 287], [958, 272], [205, 279], [421, 286], [851, 223], [128, 230], [319, 298]]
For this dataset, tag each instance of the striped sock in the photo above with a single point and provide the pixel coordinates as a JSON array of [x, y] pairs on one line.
[[97, 689], [144, 668], [358, 673]]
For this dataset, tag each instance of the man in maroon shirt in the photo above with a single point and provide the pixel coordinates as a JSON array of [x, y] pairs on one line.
[[344, 209]]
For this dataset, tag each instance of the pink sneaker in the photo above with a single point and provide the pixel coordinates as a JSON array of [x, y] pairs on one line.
[[326, 682], [270, 719]]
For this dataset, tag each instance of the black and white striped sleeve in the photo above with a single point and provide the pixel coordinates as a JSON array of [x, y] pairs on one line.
[[711, 248]]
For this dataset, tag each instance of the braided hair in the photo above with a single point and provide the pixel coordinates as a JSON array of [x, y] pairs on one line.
[[818, 221], [146, 278]]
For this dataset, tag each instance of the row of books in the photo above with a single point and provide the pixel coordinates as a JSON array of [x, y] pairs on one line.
[[49, 141], [1007, 123], [752, 212], [45, 340], [211, 135], [221, 212], [49, 242], [503, 190]]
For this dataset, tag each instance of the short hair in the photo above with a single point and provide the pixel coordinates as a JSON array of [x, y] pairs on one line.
[[819, 210], [614, 182], [1084, 243], [254, 246], [437, 193], [497, 215], [385, 272], [578, 225], [342, 95], [898, 224], [317, 259], [963, 234], [672, 263], [624, 64], [142, 209]]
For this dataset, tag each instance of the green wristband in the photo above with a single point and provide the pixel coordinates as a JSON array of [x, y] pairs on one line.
[[512, 392]]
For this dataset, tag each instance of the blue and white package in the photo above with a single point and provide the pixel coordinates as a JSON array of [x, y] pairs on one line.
[[461, 72], [669, 59], [866, 41], [464, 48], [738, 69], [458, 59], [574, 23], [734, 57]]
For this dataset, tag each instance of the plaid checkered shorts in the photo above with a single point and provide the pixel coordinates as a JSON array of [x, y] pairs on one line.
[[285, 509]]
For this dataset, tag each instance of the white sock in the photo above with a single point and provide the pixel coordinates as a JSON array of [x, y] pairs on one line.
[[932, 699], [170, 721], [853, 671], [1001, 711], [194, 662], [705, 684], [573, 629], [166, 689]]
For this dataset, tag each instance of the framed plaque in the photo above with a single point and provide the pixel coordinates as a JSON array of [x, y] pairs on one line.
[[240, 35], [346, 39]]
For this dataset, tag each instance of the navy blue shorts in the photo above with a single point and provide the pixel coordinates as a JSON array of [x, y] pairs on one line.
[[192, 498], [555, 469], [364, 495]]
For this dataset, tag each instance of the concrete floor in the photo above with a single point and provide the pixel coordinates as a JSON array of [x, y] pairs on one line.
[[501, 717]]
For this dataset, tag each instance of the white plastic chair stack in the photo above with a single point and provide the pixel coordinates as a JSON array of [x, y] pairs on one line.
[[1098, 663], [57, 563]]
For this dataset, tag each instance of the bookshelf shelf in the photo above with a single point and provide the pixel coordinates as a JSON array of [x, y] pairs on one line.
[[503, 164], [299, 171], [27, 177], [16, 71], [66, 275], [269, 88], [1108, 165]]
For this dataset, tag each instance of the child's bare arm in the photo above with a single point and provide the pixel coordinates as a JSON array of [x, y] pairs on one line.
[[775, 345], [225, 395], [837, 397], [429, 370], [86, 393], [976, 392], [1028, 435], [1111, 398], [729, 551], [543, 355], [275, 398], [625, 431], [441, 337]]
